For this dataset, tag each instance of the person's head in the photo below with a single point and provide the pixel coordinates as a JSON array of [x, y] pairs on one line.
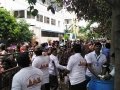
[[18, 48], [54, 51], [23, 59], [38, 50], [2, 47], [36, 43], [77, 48], [45, 51], [23, 48], [98, 46], [107, 45], [49, 50]]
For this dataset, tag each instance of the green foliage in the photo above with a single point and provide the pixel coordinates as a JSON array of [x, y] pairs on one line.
[[8, 25], [25, 34], [87, 33], [43, 1], [11, 30], [96, 10], [66, 36], [51, 8], [32, 2]]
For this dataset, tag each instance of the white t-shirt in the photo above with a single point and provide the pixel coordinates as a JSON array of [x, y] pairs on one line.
[[29, 78], [77, 71], [96, 61], [33, 57], [51, 66], [42, 62]]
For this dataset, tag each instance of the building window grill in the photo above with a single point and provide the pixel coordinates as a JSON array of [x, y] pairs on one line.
[[19, 14], [53, 22], [46, 20]]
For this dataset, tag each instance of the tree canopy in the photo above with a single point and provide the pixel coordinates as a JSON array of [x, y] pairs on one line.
[[11, 30], [94, 10], [25, 34], [8, 25]]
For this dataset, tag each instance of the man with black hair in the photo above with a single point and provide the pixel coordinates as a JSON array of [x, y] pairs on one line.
[[3, 51], [41, 62], [95, 61], [28, 78], [76, 69], [53, 69]]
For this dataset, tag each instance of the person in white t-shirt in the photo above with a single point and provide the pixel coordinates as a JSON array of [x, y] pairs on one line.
[[42, 63], [95, 61], [28, 78], [53, 69], [76, 69]]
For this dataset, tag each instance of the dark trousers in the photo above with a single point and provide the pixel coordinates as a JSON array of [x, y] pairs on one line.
[[80, 86], [53, 82], [45, 86]]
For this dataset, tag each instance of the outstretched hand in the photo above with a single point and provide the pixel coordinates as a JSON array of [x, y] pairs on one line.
[[105, 77]]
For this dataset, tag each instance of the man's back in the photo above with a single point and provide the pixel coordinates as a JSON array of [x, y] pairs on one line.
[[29, 78], [42, 62]]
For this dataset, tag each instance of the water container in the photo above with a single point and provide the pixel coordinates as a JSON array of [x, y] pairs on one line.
[[95, 84]]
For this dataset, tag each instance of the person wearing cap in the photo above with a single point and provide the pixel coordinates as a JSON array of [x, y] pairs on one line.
[[28, 78]]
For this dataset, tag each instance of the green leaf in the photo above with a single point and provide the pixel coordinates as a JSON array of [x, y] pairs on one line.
[[43, 1], [34, 12]]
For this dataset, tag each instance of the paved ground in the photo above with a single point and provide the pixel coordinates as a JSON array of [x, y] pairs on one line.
[[63, 86]]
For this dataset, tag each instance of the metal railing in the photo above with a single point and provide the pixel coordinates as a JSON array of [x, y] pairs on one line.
[[7, 75], [6, 78]]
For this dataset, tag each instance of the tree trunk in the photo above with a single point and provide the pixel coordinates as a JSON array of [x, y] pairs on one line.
[[116, 41]]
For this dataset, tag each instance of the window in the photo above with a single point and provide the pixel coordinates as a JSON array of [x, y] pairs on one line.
[[67, 21], [53, 22], [58, 23], [46, 20], [40, 18], [29, 15], [50, 34], [19, 14]]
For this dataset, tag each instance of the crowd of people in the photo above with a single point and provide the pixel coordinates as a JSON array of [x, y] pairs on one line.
[[42, 64]]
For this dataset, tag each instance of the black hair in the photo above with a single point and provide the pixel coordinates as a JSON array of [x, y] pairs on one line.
[[23, 59], [53, 49], [98, 43], [36, 42], [107, 45], [38, 51], [77, 48], [2, 47]]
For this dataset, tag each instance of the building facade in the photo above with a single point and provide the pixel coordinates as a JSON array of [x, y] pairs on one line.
[[46, 25]]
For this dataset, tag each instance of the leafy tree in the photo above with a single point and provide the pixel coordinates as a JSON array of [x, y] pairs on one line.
[[24, 34], [11, 30], [8, 25]]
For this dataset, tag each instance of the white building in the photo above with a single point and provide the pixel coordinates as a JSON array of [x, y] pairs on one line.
[[45, 25]]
